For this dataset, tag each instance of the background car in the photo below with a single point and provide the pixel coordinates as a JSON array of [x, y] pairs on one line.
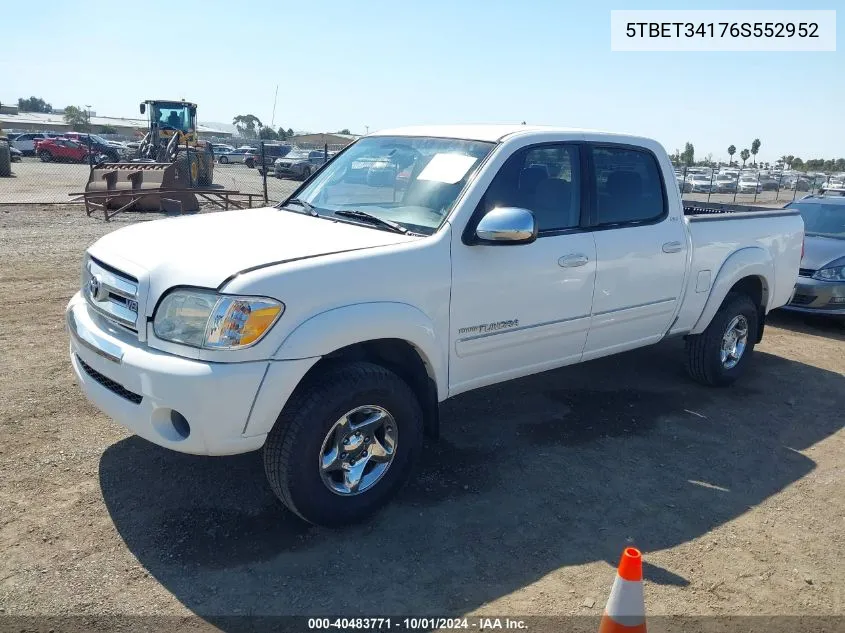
[[821, 278], [221, 148], [724, 183], [16, 154], [699, 183], [749, 184], [299, 163], [113, 150], [272, 151], [62, 150], [235, 156], [26, 142]]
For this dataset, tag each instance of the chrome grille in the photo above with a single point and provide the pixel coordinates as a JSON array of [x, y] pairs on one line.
[[112, 293]]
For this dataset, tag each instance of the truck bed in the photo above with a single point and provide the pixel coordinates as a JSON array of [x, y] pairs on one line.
[[696, 210]]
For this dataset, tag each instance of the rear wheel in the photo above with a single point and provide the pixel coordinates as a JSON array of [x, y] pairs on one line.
[[222, 160], [306, 173], [344, 444], [45, 156], [718, 355]]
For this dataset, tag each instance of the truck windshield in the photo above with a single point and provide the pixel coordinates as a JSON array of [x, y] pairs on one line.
[[412, 181], [822, 219]]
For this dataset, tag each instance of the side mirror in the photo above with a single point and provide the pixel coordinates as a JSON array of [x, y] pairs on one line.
[[507, 225], [143, 108]]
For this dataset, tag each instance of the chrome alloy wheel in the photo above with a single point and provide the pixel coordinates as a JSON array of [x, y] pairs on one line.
[[358, 450], [734, 342]]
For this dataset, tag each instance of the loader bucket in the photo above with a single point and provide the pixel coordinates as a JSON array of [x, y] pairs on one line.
[[126, 181]]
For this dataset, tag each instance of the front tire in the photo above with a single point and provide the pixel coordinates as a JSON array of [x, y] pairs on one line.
[[45, 156], [718, 355], [344, 444]]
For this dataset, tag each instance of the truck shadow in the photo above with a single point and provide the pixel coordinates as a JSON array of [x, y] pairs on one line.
[[530, 477]]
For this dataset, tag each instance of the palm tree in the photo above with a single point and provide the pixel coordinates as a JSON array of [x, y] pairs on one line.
[[731, 152], [755, 147], [744, 155], [789, 160]]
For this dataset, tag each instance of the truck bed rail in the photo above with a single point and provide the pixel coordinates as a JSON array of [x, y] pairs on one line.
[[697, 210]]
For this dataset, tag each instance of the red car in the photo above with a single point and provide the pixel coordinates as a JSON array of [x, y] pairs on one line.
[[61, 149]]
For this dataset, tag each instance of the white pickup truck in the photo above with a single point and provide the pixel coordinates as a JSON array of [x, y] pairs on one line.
[[417, 264]]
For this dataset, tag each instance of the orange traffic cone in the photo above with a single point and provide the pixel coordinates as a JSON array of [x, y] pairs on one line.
[[625, 610]]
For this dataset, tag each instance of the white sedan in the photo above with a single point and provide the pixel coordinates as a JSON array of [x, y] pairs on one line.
[[235, 156]]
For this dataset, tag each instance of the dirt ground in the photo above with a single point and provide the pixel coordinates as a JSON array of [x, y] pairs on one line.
[[735, 496]]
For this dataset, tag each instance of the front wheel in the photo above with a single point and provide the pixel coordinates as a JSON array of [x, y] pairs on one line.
[[718, 355], [306, 173], [344, 444], [45, 156]]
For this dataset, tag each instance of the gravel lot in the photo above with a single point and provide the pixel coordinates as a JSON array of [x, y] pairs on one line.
[[736, 496]]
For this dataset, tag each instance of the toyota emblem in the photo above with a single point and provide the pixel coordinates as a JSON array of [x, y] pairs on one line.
[[95, 287]]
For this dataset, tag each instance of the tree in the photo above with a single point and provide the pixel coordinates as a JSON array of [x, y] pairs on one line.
[[789, 159], [34, 104], [282, 134], [755, 147], [344, 131], [108, 129], [289, 133], [731, 152], [268, 133], [247, 124], [688, 155], [796, 163], [744, 155], [76, 118], [839, 165]]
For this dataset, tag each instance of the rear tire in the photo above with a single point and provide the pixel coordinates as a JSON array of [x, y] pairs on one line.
[[222, 160], [295, 446], [45, 156], [706, 362], [306, 173]]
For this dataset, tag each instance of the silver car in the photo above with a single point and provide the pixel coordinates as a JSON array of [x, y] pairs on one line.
[[821, 278]]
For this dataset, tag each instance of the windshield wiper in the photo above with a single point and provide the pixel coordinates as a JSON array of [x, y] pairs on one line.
[[369, 217], [309, 208]]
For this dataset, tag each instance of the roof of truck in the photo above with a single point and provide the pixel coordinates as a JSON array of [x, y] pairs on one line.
[[479, 132]]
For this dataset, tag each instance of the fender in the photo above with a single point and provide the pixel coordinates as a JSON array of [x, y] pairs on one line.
[[340, 327], [752, 261]]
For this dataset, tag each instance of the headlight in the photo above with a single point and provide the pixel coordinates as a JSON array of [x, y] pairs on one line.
[[203, 318], [834, 273]]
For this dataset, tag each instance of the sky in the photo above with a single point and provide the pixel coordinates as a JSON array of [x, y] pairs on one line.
[[373, 64]]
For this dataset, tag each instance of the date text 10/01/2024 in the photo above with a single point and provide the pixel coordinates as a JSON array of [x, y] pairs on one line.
[[480, 623], [722, 29]]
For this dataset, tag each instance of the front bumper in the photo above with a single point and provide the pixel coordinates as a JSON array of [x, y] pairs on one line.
[[818, 297], [229, 407]]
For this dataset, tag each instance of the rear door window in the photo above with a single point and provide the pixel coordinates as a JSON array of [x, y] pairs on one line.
[[629, 188]]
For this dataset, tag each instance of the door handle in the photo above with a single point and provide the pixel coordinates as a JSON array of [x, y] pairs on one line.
[[672, 247], [573, 261]]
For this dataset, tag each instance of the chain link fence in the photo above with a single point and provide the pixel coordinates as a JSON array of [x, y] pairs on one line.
[[750, 185], [56, 169]]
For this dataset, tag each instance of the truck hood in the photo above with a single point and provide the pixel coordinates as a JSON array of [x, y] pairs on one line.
[[820, 251], [205, 250]]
